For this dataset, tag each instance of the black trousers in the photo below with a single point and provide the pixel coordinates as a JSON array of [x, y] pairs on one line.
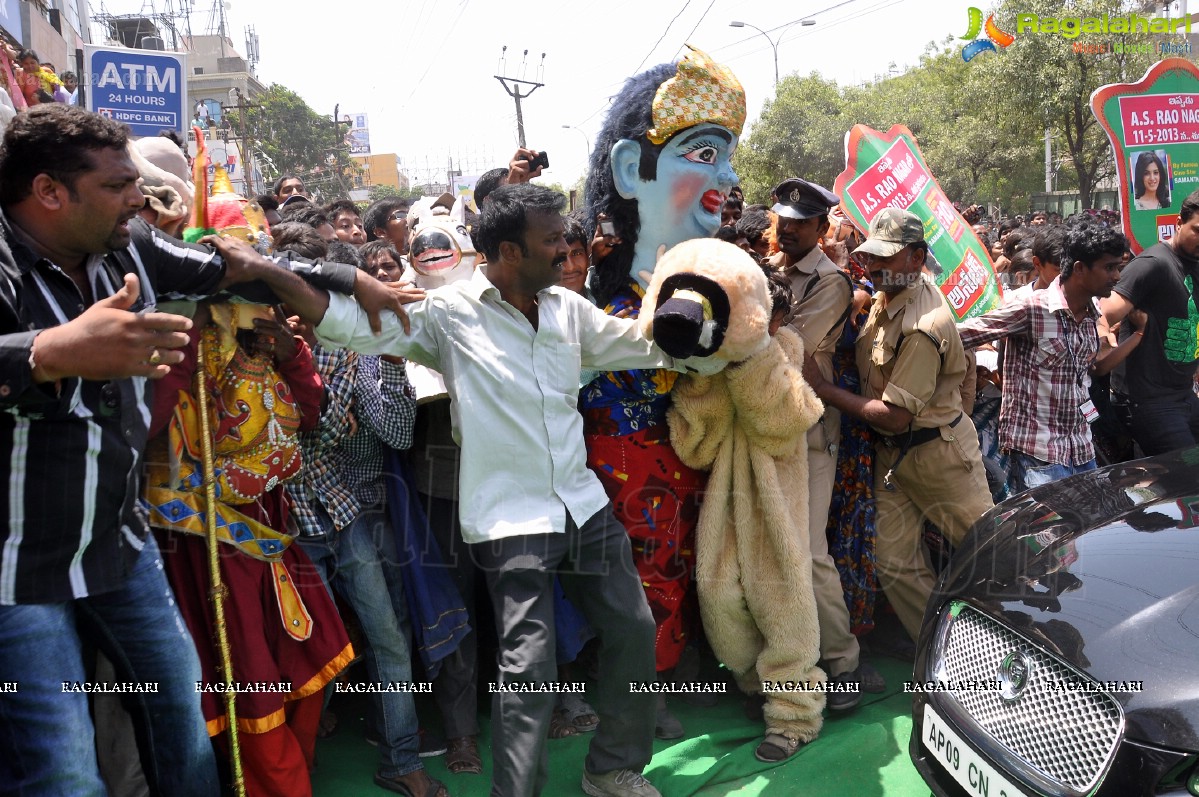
[[456, 686], [1167, 423], [595, 565]]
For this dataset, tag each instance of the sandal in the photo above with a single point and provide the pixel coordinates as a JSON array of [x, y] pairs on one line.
[[561, 726], [435, 788], [462, 756], [327, 726], [776, 747], [578, 712]]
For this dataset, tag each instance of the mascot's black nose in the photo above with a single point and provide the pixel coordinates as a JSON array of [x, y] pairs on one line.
[[692, 316], [677, 326]]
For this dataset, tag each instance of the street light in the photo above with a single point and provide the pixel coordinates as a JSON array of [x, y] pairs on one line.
[[774, 45], [585, 138]]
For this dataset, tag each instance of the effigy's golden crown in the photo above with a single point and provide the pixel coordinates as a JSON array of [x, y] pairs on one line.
[[702, 91]]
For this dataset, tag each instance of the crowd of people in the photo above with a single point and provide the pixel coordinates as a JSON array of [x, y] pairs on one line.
[[39, 81], [410, 424]]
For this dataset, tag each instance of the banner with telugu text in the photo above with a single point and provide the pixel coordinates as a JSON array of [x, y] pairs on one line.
[[1153, 126], [888, 170]]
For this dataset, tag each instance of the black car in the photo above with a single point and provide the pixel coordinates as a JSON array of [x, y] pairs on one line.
[[1060, 651]]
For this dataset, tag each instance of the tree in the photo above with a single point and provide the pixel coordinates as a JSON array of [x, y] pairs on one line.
[[299, 141], [800, 133], [1044, 77], [976, 148], [378, 192], [555, 186], [981, 124]]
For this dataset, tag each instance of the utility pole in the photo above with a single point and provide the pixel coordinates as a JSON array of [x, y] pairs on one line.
[[246, 140], [1048, 160], [338, 143], [514, 92]]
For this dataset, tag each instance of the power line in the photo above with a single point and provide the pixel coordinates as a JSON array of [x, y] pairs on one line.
[[660, 38], [786, 25], [430, 61], [864, 12], [687, 38]]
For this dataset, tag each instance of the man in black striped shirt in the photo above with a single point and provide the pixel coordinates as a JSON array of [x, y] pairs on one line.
[[80, 277]]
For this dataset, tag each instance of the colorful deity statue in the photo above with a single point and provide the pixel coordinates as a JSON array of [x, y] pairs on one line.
[[660, 173], [661, 168]]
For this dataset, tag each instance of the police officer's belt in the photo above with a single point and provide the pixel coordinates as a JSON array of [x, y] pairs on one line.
[[918, 437]]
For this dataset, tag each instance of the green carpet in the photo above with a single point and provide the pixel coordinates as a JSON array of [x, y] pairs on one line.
[[862, 753]]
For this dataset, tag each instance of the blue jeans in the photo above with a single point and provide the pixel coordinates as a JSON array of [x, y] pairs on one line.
[[46, 734], [1026, 472], [349, 561]]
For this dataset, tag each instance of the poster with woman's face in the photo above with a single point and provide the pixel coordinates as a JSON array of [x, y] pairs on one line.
[[1150, 170]]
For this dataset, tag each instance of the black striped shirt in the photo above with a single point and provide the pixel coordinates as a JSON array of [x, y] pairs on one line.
[[69, 482]]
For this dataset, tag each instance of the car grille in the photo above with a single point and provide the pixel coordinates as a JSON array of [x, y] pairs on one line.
[[1061, 740]]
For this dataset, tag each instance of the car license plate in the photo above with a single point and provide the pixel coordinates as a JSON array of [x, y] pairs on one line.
[[960, 760]]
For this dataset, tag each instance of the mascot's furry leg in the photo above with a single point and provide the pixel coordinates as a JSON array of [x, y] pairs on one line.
[[778, 586], [725, 612]]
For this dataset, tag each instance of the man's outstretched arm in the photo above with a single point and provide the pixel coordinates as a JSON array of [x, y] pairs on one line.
[[244, 264]]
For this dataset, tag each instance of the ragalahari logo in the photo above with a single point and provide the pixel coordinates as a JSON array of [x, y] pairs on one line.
[[995, 35]]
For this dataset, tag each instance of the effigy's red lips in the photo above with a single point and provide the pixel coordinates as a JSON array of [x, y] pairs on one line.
[[712, 201], [437, 259]]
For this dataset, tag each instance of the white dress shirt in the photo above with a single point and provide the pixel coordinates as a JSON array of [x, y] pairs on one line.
[[514, 394]]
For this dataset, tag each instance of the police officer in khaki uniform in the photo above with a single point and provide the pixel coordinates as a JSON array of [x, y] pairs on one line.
[[927, 463], [822, 294]]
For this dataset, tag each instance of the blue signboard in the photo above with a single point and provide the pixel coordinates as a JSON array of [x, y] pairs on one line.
[[145, 89], [10, 19]]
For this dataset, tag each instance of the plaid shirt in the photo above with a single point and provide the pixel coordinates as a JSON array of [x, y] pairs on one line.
[[385, 406], [324, 452], [1045, 374]]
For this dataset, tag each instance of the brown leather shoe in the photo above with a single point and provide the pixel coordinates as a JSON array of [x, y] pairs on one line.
[[462, 756]]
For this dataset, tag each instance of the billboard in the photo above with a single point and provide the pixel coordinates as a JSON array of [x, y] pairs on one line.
[[358, 136], [10, 19], [885, 170], [145, 89], [1153, 126]]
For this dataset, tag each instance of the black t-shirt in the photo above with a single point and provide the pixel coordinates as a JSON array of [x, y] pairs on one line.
[[1164, 363]]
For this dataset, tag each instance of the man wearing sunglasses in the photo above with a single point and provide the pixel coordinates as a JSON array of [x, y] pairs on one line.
[[387, 220]]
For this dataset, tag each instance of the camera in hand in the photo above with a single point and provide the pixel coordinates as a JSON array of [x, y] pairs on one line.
[[541, 161]]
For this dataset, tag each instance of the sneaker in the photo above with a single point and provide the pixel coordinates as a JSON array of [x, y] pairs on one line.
[[755, 706], [871, 679], [866, 677], [844, 701], [431, 744], [776, 747], [666, 725], [620, 783]]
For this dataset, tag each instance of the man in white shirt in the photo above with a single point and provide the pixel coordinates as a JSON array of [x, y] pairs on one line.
[[510, 344]]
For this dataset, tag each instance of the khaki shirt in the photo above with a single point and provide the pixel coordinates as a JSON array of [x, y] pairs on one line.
[[822, 294], [916, 373]]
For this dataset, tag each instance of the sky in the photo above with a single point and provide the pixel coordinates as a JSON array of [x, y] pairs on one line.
[[423, 70]]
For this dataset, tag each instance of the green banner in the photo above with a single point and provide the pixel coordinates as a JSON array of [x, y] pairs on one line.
[[887, 170], [1153, 126]]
